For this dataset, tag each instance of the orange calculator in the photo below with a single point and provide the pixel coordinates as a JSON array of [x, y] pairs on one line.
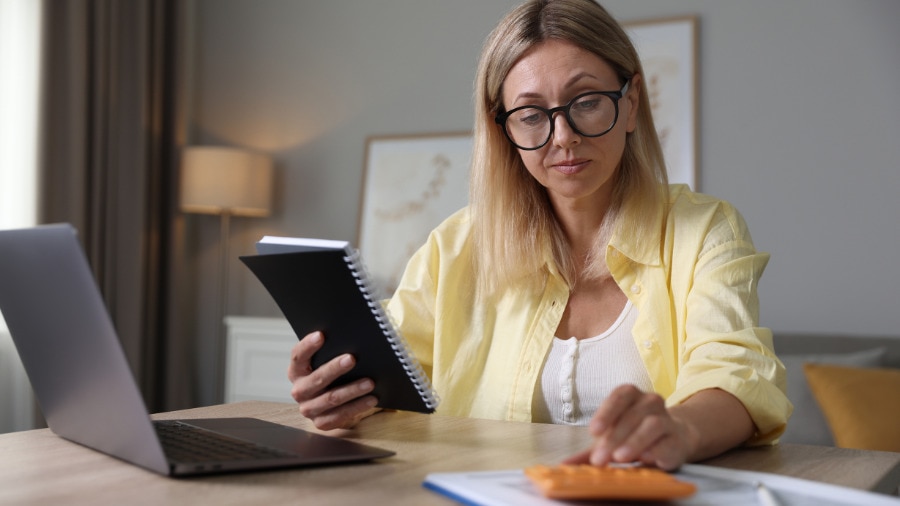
[[611, 482]]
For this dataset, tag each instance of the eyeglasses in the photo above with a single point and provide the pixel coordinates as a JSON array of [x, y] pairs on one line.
[[590, 114]]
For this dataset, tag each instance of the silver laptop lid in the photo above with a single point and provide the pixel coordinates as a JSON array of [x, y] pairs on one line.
[[69, 348]]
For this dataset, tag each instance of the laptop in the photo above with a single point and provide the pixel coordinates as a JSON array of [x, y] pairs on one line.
[[87, 392]]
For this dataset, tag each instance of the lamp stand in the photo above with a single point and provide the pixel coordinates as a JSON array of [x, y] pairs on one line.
[[221, 330]]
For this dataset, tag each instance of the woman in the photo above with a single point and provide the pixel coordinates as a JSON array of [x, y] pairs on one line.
[[578, 287]]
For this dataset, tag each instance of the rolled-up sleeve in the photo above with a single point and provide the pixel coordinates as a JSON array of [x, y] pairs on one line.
[[723, 345]]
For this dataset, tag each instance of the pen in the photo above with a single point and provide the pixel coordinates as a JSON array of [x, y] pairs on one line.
[[765, 495]]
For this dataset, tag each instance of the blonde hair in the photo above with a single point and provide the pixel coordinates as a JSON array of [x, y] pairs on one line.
[[515, 228]]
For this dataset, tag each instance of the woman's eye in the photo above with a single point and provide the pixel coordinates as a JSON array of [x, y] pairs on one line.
[[530, 118], [588, 104]]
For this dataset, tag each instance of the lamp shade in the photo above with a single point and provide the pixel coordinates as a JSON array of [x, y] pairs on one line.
[[219, 180]]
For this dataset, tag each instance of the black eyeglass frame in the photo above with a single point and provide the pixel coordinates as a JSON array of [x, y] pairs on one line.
[[501, 117]]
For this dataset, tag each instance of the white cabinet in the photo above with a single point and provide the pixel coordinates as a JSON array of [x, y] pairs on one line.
[[257, 356]]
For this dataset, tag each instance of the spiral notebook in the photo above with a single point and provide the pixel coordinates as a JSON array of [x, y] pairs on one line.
[[321, 284]]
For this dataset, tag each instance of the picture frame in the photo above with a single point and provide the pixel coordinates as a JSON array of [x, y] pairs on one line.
[[410, 185], [668, 49]]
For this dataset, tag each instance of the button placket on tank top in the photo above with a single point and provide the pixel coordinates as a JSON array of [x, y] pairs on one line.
[[567, 380]]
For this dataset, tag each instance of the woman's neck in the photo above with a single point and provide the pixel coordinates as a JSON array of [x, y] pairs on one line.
[[581, 222]]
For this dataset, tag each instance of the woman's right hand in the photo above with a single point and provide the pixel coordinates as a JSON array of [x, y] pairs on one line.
[[329, 408]]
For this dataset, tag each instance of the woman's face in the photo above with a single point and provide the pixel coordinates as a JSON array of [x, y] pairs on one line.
[[576, 170]]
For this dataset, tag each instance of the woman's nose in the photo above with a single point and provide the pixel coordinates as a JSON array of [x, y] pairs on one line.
[[564, 135]]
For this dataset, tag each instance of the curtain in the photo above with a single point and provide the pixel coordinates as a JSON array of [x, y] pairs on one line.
[[108, 157]]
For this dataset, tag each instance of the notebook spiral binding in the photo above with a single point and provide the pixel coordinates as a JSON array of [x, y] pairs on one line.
[[401, 348]]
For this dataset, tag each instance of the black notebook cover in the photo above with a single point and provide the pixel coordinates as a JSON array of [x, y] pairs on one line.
[[328, 290]]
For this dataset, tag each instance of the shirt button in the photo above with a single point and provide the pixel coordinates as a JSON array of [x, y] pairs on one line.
[[648, 344], [635, 288]]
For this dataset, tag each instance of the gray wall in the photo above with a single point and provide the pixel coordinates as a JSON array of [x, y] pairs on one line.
[[799, 127]]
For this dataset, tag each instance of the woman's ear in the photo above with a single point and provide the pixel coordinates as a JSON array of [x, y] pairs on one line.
[[633, 99]]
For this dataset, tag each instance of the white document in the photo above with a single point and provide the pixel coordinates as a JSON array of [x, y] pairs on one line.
[[716, 486]]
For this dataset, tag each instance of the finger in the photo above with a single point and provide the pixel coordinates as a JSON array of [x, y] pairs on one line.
[[648, 405], [579, 458], [301, 355], [635, 410], [337, 397], [619, 402], [643, 439], [607, 419], [312, 385], [346, 415], [668, 454]]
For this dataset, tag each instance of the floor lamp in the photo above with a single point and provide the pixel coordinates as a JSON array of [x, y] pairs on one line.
[[226, 182]]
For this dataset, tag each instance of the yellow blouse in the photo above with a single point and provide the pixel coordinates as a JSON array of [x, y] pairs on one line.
[[697, 325]]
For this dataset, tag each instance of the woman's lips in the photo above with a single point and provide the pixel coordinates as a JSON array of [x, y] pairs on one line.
[[570, 166]]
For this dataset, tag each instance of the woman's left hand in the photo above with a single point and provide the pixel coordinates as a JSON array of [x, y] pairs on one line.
[[633, 426]]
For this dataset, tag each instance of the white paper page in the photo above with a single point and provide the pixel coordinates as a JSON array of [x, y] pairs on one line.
[[304, 242], [715, 487]]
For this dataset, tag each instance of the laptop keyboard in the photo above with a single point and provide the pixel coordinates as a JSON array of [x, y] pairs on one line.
[[185, 443]]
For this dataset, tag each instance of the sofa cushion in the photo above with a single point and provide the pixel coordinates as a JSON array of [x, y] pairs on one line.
[[862, 405], [807, 424]]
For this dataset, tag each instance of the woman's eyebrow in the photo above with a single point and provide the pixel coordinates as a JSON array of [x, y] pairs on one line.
[[530, 95]]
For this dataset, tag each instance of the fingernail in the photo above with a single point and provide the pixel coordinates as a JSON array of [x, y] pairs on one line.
[[599, 458], [366, 386], [371, 402], [346, 361], [621, 454], [316, 338]]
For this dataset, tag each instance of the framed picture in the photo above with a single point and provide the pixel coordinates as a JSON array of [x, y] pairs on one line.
[[668, 51], [410, 185]]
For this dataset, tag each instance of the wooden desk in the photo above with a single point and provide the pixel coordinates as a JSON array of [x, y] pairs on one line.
[[37, 467]]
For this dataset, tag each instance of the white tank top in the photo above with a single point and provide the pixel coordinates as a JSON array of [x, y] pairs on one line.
[[578, 375]]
